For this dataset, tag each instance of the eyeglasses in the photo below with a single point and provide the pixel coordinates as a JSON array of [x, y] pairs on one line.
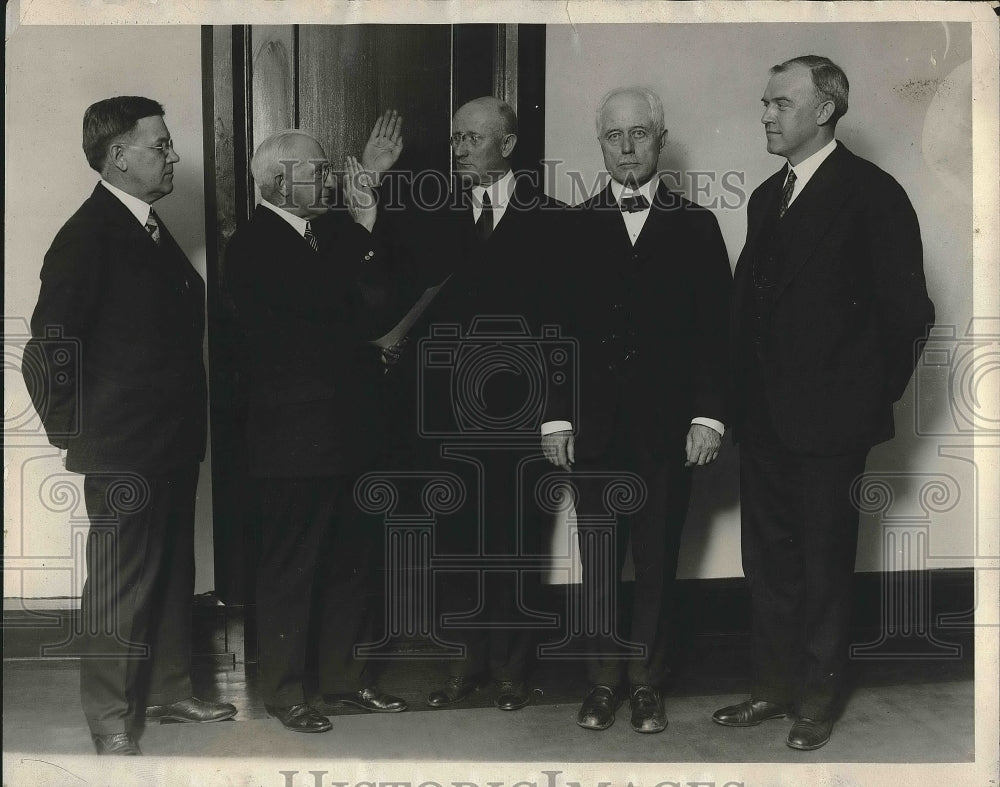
[[638, 134], [474, 140], [165, 148]]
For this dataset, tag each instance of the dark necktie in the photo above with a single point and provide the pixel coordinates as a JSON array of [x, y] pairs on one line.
[[310, 238], [786, 192], [153, 226], [634, 204], [485, 224]]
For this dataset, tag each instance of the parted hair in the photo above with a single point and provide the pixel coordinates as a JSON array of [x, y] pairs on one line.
[[111, 119], [828, 78]]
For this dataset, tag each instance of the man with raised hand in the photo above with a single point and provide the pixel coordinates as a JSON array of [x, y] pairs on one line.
[[310, 287]]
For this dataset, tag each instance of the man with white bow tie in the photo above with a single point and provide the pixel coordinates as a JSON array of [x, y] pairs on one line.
[[647, 297]]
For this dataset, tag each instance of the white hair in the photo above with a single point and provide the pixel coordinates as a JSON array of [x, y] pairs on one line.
[[267, 159], [653, 100]]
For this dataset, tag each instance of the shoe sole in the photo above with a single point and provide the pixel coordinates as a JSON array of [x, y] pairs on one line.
[[524, 704], [321, 729], [595, 727], [455, 701], [447, 704], [185, 720], [800, 747], [327, 728], [648, 732], [341, 703], [748, 723]]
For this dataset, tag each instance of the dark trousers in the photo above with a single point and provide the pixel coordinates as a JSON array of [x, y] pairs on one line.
[[799, 535], [313, 586], [640, 654], [493, 599], [136, 604]]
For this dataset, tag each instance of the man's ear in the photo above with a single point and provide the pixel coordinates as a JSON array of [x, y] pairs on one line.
[[663, 138], [824, 112], [116, 156], [507, 145]]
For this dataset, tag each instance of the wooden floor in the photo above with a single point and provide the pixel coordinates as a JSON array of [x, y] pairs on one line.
[[899, 712]]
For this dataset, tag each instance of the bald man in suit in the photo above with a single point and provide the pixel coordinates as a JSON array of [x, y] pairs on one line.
[[309, 281]]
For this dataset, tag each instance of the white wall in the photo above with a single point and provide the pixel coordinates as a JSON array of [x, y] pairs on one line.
[[53, 75], [910, 112]]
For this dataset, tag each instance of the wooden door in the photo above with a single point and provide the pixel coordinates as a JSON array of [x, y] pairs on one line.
[[333, 81]]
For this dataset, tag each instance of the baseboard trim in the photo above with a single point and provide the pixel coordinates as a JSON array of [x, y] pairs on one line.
[[705, 607]]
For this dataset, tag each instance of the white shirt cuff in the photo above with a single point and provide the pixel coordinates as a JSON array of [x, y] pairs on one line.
[[718, 426], [556, 426]]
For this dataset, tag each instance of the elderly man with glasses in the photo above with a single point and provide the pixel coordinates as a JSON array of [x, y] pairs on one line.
[[310, 285], [129, 409]]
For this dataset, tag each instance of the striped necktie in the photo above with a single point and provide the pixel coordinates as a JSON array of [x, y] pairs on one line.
[[786, 192], [310, 238], [153, 226]]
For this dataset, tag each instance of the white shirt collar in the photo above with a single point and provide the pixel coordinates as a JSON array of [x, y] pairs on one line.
[[137, 207], [646, 189], [805, 169], [297, 222], [500, 191]]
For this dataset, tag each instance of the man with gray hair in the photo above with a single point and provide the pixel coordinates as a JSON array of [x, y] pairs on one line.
[[647, 298], [309, 285], [830, 301]]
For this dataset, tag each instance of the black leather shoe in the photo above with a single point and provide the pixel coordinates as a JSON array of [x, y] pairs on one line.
[[120, 743], [808, 734], [648, 714], [192, 709], [511, 695], [368, 699], [598, 709], [749, 713], [455, 689], [299, 718]]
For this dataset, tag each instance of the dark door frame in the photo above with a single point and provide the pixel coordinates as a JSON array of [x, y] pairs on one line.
[[505, 60]]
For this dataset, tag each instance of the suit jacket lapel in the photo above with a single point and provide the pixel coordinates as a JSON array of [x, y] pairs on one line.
[[766, 205], [607, 209], [812, 213], [121, 217], [517, 205], [658, 222]]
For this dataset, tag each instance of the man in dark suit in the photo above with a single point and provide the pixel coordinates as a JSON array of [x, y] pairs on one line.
[[131, 417], [309, 286], [647, 297], [489, 245], [830, 301]]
